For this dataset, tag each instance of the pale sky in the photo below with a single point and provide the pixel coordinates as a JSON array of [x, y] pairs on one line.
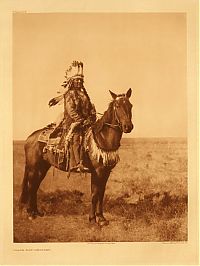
[[144, 51]]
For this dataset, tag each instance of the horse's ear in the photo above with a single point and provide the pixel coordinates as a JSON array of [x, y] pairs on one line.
[[114, 96], [129, 92]]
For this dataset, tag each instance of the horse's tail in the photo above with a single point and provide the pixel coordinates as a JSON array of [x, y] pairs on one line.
[[25, 191]]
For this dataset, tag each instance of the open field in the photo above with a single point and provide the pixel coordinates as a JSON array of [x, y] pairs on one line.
[[145, 199]]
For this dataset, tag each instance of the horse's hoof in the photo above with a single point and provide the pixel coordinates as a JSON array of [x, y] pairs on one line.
[[39, 213], [101, 221], [34, 214], [92, 220], [31, 217]]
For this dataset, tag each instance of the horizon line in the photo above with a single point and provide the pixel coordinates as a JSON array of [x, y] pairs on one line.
[[155, 137]]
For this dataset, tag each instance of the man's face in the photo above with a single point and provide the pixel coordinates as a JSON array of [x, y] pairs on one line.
[[78, 83]]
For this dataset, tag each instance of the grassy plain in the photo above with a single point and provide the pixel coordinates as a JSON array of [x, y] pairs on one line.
[[145, 199]]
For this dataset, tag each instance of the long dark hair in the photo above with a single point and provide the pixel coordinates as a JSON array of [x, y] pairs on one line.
[[71, 87]]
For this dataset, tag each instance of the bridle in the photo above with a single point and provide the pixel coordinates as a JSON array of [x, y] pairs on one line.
[[118, 125]]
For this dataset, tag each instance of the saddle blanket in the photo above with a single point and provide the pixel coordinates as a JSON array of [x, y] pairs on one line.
[[44, 136], [56, 149], [46, 132]]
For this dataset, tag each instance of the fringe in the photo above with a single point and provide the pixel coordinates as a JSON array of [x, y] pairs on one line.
[[108, 158]]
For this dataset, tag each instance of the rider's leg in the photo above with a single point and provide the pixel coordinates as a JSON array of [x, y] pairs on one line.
[[78, 153], [76, 148]]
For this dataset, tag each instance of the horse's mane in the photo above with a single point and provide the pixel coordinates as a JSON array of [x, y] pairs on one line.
[[98, 125], [101, 121]]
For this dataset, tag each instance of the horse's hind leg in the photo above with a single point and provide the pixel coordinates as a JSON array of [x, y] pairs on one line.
[[25, 190], [35, 175]]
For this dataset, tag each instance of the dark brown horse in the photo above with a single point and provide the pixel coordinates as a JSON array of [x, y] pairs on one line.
[[101, 144]]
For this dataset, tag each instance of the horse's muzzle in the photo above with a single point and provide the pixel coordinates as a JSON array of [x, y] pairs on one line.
[[127, 128]]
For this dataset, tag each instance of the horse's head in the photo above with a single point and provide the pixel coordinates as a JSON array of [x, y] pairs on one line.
[[123, 110]]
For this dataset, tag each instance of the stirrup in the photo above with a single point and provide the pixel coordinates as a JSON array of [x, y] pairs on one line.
[[80, 168]]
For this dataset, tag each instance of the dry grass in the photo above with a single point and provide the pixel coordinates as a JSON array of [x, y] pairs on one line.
[[146, 198]]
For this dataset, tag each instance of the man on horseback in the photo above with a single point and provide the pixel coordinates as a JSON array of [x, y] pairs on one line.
[[79, 113]]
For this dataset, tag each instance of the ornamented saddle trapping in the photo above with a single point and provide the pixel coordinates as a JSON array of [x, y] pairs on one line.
[[57, 148], [44, 135]]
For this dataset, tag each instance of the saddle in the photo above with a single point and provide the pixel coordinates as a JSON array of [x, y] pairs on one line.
[[58, 148]]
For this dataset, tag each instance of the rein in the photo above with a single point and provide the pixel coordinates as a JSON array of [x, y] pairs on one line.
[[113, 126]]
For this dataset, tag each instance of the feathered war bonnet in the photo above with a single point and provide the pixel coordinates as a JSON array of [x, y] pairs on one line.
[[77, 67]]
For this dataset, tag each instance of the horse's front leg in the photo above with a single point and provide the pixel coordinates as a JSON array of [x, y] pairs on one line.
[[98, 184], [101, 220], [94, 197]]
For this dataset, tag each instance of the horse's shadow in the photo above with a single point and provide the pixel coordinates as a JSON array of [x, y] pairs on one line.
[[62, 202], [154, 205]]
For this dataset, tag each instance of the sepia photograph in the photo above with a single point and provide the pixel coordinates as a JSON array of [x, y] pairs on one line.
[[120, 140], [101, 132]]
